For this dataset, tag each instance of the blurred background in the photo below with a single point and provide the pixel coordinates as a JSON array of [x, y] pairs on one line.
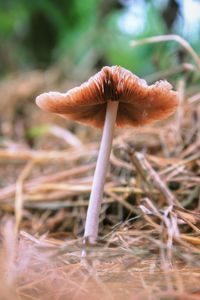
[[88, 34], [46, 45]]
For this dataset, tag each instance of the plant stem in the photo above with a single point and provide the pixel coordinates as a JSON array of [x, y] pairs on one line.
[[94, 208]]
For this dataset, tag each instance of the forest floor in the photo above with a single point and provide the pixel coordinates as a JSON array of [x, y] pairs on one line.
[[149, 245]]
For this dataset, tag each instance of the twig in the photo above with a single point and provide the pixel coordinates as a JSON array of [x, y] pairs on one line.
[[180, 111], [194, 99], [65, 134], [151, 177], [19, 193], [9, 191], [181, 163], [185, 67], [170, 37], [46, 156], [122, 202]]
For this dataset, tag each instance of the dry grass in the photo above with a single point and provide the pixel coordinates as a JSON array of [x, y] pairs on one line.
[[125, 264]]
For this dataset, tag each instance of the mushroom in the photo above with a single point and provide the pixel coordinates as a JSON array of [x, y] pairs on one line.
[[112, 97]]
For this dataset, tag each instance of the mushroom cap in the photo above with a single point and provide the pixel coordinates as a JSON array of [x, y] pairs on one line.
[[139, 104]]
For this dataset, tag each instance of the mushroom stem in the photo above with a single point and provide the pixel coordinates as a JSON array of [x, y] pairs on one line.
[[94, 208]]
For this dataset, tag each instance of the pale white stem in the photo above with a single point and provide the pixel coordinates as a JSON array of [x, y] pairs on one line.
[[94, 208]]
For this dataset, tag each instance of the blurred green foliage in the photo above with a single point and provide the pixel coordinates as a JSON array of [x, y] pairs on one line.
[[36, 34], [37, 131]]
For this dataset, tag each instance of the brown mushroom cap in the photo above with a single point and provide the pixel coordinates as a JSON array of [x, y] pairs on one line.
[[139, 104]]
